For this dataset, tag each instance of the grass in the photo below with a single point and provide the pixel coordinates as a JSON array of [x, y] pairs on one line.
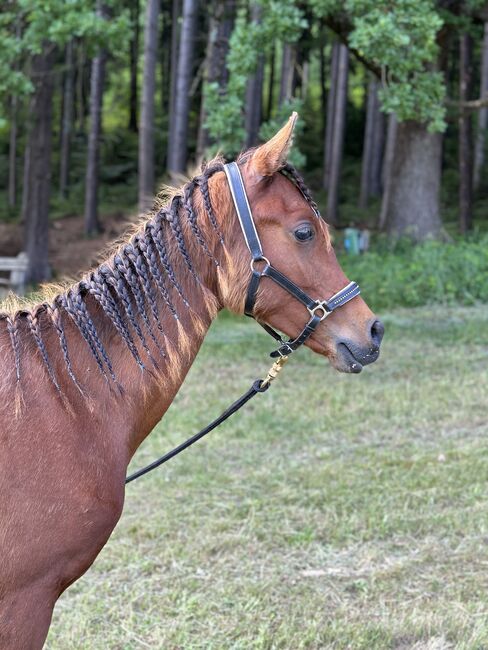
[[333, 512]]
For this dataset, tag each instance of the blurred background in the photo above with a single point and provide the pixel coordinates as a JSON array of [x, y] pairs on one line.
[[103, 101]]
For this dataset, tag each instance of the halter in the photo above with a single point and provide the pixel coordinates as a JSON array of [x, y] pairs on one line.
[[317, 309]]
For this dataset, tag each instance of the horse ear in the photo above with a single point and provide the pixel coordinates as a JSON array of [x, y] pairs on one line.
[[271, 156]]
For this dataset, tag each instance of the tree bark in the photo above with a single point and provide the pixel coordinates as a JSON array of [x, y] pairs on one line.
[[387, 166], [178, 152], [67, 121], [372, 147], [269, 103], [12, 154], [175, 40], [146, 139], [215, 70], [92, 223], [414, 183], [331, 101], [38, 166], [337, 144], [479, 156], [254, 92], [465, 137], [133, 60], [287, 73]]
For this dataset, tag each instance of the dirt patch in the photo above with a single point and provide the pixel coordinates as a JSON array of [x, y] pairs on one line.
[[70, 251]]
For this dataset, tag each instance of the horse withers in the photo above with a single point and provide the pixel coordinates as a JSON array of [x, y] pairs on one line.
[[86, 374]]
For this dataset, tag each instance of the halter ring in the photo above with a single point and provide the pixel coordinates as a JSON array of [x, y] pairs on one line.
[[259, 259], [319, 307]]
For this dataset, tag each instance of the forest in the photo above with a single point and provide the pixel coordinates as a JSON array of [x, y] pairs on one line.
[[103, 101]]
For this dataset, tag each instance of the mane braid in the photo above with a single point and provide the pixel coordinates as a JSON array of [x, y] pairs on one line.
[[125, 288]]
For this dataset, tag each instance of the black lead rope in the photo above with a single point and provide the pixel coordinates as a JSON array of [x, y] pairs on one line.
[[318, 310]]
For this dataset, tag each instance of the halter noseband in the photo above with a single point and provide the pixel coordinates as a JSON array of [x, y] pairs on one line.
[[318, 309]]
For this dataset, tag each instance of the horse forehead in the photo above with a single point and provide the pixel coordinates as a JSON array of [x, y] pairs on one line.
[[280, 196]]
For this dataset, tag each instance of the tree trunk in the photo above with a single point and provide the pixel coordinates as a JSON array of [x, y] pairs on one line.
[[387, 167], [67, 121], [323, 75], [465, 137], [254, 92], [175, 40], [146, 139], [287, 73], [337, 144], [269, 105], [133, 60], [12, 154], [372, 147], [177, 154], [38, 164], [92, 224], [479, 156], [331, 100], [413, 205], [215, 70]]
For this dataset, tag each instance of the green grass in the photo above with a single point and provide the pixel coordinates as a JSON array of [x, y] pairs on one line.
[[334, 512]]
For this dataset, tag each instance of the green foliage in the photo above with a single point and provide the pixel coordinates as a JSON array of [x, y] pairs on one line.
[[53, 23], [400, 39], [249, 40], [432, 272]]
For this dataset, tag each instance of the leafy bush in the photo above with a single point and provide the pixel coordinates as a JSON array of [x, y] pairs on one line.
[[432, 272]]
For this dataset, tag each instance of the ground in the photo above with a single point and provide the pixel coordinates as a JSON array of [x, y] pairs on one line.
[[333, 512]]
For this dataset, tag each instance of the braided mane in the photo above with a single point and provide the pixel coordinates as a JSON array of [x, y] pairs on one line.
[[127, 285]]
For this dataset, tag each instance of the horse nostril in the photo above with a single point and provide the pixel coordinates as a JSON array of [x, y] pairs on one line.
[[377, 332]]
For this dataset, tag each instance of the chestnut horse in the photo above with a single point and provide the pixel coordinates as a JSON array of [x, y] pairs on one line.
[[86, 374]]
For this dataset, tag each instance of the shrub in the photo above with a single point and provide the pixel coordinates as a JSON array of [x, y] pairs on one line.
[[432, 272]]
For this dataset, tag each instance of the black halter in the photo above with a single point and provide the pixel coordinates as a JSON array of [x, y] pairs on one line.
[[318, 309]]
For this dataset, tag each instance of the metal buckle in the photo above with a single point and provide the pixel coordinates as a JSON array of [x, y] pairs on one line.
[[320, 306]]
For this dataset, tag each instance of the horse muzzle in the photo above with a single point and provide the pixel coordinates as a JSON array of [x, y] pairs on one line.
[[351, 356]]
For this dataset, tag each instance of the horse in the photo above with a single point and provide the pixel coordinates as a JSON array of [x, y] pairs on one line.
[[88, 370]]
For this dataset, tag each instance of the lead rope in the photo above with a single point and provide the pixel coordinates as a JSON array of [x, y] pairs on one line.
[[259, 386]]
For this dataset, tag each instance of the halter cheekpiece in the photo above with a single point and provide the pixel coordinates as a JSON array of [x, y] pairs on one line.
[[317, 309]]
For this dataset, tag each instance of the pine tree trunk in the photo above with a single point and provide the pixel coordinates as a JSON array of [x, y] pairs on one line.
[[146, 139], [479, 156], [287, 73], [254, 92], [219, 30], [337, 145], [67, 121], [372, 147], [92, 224], [331, 101], [465, 137], [133, 60], [414, 183], [175, 41], [178, 152], [12, 154], [269, 104], [387, 166], [38, 167]]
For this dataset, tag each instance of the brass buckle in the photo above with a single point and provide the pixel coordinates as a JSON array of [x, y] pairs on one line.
[[275, 369], [320, 306]]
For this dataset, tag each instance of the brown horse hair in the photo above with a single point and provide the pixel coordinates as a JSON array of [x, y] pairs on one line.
[[125, 285]]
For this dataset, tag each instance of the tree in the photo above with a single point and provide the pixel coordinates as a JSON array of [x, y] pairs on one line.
[[331, 105], [67, 121], [133, 61], [36, 214], [372, 146], [479, 156], [92, 223], [178, 151], [337, 137], [146, 138], [465, 135]]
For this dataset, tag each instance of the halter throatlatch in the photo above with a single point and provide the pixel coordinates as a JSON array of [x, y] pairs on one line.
[[317, 309]]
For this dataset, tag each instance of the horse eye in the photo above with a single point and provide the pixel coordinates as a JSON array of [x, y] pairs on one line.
[[304, 233]]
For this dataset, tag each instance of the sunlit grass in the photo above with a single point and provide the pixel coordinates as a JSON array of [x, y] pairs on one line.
[[334, 512]]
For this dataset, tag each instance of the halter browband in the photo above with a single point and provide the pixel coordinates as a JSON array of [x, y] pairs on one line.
[[318, 309]]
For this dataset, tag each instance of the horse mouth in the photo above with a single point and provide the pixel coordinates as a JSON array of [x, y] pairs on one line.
[[352, 359]]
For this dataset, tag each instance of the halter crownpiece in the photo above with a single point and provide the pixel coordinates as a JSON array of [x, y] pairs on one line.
[[318, 309]]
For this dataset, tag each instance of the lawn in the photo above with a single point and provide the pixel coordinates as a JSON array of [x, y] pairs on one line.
[[333, 512]]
